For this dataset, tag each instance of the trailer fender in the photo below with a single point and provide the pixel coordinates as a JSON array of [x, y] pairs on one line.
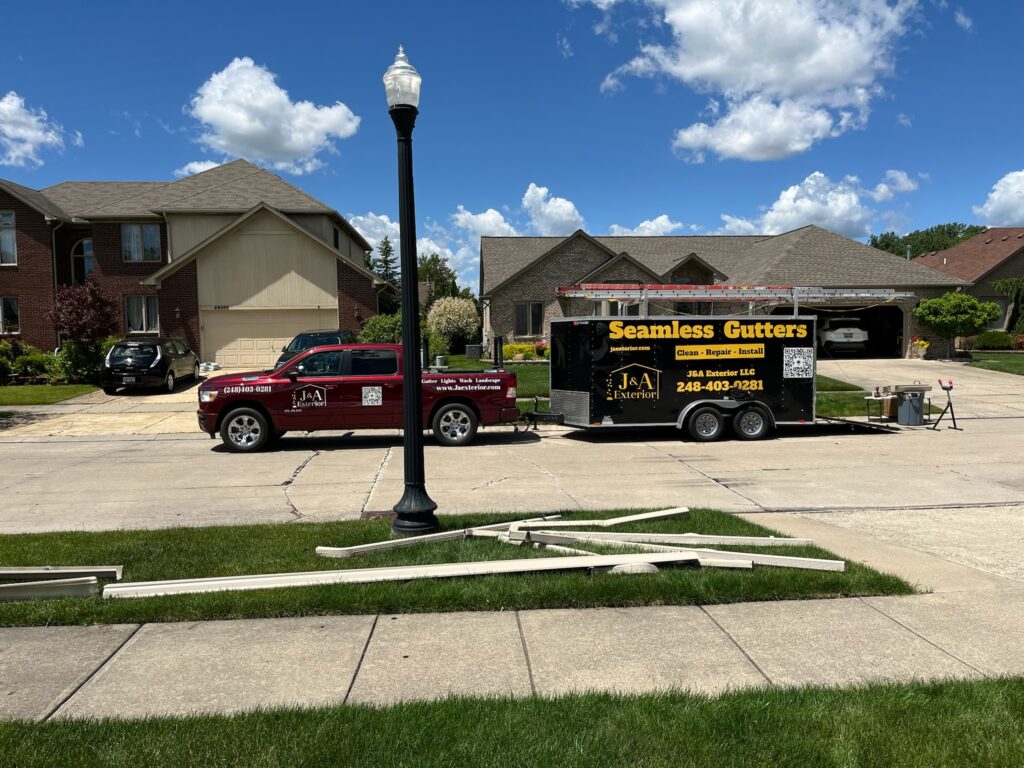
[[724, 405]]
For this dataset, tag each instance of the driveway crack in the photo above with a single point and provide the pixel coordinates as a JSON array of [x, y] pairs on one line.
[[287, 484], [376, 479], [705, 475]]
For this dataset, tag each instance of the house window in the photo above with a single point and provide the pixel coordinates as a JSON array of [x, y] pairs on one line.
[[141, 314], [528, 319], [8, 241], [140, 242], [81, 261], [10, 317]]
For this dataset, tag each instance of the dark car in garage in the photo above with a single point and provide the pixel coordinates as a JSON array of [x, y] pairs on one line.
[[149, 362], [309, 339]]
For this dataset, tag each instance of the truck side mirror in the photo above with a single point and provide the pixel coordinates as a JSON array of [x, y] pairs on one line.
[[292, 374]]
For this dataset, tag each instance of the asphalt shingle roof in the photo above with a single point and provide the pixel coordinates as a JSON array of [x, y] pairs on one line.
[[976, 256], [34, 198], [809, 256]]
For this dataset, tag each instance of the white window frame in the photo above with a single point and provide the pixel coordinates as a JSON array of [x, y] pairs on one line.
[[83, 257], [135, 234], [3, 330], [14, 229], [146, 330]]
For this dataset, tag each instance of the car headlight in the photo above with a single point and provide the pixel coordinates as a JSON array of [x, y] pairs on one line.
[[207, 395]]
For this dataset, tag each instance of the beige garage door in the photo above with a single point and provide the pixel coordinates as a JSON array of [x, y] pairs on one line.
[[252, 338]]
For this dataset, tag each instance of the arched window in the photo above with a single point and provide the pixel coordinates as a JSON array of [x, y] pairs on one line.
[[81, 261]]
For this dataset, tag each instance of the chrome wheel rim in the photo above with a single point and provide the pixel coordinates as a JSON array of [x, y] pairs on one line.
[[751, 423], [170, 382], [195, 371], [455, 425], [706, 424], [244, 431]]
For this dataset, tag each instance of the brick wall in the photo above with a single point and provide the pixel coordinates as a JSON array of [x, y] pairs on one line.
[[179, 306], [31, 279], [66, 238], [357, 298], [120, 278]]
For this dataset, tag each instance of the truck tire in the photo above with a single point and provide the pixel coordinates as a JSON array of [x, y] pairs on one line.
[[750, 424], [454, 424], [706, 424], [244, 430]]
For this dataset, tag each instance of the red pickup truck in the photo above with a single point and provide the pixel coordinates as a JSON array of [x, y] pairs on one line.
[[349, 386]]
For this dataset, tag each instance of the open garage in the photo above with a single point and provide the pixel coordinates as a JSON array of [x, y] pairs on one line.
[[884, 326]]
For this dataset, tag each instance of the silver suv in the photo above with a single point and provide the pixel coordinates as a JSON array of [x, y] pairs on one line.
[[842, 333]]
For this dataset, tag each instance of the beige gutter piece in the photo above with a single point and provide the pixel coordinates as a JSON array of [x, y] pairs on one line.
[[38, 573], [527, 525], [400, 573], [87, 586], [552, 539], [690, 538]]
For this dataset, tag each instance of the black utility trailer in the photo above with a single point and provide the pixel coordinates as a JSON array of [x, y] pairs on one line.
[[701, 374]]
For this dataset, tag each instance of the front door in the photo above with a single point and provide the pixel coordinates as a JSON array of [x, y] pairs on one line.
[[314, 395]]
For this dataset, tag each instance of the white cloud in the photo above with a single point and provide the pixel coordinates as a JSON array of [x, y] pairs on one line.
[[490, 222], [564, 46], [196, 166], [374, 227], [790, 72], [893, 183], [659, 225], [77, 139], [904, 120], [1005, 204], [962, 20], [25, 131], [838, 206], [245, 113], [550, 215]]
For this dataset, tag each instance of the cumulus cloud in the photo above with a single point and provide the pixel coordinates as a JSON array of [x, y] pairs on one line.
[[1005, 204], [790, 72], [490, 222], [839, 206], [245, 113], [962, 20], [196, 166], [25, 132], [375, 227], [550, 215], [659, 225]]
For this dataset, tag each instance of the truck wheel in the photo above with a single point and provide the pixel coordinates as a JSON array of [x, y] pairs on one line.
[[454, 424], [750, 424], [706, 424], [244, 431]]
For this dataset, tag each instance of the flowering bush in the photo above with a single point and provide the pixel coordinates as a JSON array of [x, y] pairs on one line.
[[920, 343], [452, 318], [519, 351], [541, 349]]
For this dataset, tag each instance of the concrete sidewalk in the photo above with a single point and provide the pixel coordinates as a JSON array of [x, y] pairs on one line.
[[233, 666]]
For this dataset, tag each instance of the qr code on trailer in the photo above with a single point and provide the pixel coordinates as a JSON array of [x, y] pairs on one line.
[[797, 363]]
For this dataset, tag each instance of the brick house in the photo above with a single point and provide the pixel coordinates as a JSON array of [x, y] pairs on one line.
[[995, 254], [234, 260], [519, 277]]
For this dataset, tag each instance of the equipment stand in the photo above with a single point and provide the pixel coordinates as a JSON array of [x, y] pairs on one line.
[[947, 388]]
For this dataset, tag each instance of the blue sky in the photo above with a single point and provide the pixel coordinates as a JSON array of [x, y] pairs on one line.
[[671, 116]]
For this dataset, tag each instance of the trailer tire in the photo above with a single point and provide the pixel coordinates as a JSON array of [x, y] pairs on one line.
[[706, 424], [750, 424], [454, 424]]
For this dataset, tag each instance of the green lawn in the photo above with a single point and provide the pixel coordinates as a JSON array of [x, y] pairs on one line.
[[828, 384], [41, 394], [531, 379], [175, 553], [1007, 362], [961, 723]]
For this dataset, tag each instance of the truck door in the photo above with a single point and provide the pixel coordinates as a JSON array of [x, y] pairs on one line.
[[371, 389], [314, 401]]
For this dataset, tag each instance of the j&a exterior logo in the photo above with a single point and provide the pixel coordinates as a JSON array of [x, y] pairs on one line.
[[309, 396], [634, 382]]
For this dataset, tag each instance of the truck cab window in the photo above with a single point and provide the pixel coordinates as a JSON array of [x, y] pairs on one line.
[[374, 362], [321, 364]]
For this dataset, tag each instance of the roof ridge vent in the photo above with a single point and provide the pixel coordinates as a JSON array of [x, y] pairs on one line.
[[1005, 238], [1020, 236], [988, 241]]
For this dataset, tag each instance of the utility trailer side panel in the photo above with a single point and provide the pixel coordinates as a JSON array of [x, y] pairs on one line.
[[631, 371]]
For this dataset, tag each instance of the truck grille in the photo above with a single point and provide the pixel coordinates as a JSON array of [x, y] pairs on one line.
[[575, 406]]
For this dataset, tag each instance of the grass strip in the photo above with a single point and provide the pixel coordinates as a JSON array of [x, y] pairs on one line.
[[41, 394], [1007, 362], [177, 553], [828, 384], [978, 723]]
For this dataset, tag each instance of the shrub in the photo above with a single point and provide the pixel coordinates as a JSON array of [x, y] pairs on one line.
[[1018, 341], [453, 320], [993, 340], [382, 329], [969, 342], [82, 361], [84, 312], [35, 365], [528, 351], [438, 346], [5, 370], [956, 314]]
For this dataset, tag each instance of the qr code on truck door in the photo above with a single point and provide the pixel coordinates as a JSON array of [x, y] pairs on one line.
[[372, 396], [797, 363]]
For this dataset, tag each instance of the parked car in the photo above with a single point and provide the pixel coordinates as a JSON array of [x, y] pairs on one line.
[[349, 387], [309, 339], [150, 362], [842, 333]]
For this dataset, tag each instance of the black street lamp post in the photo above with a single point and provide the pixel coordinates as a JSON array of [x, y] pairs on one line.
[[415, 510]]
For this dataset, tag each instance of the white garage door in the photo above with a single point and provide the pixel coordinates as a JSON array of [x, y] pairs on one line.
[[253, 338]]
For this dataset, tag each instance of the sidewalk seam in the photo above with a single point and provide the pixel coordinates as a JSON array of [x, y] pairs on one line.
[[933, 644], [359, 664], [526, 656], [738, 646], [54, 710]]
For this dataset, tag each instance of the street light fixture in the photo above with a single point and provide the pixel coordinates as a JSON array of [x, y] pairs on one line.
[[415, 510]]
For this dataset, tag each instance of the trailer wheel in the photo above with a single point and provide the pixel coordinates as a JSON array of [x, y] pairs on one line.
[[706, 424], [454, 424], [750, 424]]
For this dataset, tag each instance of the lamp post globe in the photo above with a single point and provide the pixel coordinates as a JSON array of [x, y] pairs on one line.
[[415, 510]]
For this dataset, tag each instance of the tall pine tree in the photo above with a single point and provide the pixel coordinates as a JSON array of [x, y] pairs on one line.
[[385, 265]]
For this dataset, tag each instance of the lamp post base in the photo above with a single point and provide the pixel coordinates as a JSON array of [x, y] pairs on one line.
[[415, 513]]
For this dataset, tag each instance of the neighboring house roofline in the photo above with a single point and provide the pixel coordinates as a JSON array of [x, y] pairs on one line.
[[193, 253], [579, 233]]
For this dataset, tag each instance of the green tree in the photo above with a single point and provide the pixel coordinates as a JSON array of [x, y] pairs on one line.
[[452, 322], [921, 241], [956, 314], [386, 264], [382, 329], [1013, 289]]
